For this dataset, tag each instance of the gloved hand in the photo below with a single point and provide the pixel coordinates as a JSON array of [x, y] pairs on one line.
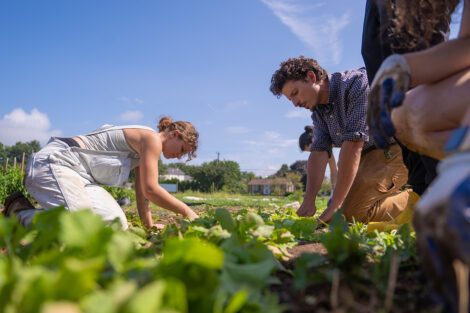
[[387, 91], [442, 223]]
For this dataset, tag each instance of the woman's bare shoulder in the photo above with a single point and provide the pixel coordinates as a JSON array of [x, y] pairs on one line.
[[139, 139]]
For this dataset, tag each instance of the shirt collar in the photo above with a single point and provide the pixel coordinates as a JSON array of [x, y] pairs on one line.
[[326, 107]]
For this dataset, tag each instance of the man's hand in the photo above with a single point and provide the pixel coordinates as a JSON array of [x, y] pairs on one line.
[[326, 216], [307, 209], [387, 91]]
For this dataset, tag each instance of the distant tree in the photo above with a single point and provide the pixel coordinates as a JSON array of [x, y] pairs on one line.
[[162, 168], [282, 171], [16, 151], [299, 167], [296, 179], [215, 175]]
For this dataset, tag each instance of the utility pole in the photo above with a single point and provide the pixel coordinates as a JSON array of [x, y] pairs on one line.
[[218, 154]]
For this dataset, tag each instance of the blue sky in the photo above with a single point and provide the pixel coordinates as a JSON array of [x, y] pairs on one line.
[[68, 67]]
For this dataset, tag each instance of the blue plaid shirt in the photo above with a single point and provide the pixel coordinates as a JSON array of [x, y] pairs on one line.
[[343, 118]]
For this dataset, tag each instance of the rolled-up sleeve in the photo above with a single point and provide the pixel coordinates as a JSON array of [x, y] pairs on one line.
[[321, 137], [356, 124]]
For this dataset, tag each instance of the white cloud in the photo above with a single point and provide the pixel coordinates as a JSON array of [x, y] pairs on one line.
[[287, 143], [320, 32], [299, 113], [21, 126], [131, 116], [130, 100], [272, 135], [238, 130], [236, 104]]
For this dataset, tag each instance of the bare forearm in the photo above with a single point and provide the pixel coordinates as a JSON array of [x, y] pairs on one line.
[[162, 198], [452, 56], [348, 164], [333, 171], [143, 207], [145, 214], [315, 173]]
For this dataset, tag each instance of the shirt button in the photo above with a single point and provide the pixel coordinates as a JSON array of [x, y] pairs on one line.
[[337, 134], [331, 115]]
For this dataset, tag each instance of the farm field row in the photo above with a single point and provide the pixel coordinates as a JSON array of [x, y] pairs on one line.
[[244, 254]]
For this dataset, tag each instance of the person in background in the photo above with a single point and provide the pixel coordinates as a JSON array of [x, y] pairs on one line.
[[433, 118], [369, 180], [380, 40], [305, 141], [68, 171]]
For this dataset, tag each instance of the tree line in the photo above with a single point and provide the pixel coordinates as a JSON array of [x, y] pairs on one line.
[[216, 175], [16, 151]]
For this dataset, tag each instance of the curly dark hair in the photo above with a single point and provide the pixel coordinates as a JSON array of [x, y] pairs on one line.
[[414, 23], [295, 69]]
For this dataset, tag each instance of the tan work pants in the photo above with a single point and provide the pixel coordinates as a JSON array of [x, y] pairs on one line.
[[375, 194]]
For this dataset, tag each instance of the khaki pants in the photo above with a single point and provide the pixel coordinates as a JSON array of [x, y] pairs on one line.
[[375, 194]]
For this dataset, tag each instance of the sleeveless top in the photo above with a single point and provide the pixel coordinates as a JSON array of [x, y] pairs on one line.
[[111, 138], [108, 158]]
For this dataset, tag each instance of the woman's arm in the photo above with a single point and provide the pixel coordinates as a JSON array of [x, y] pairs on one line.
[[143, 207], [150, 150]]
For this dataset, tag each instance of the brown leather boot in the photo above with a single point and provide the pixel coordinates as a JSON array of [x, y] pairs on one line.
[[15, 203]]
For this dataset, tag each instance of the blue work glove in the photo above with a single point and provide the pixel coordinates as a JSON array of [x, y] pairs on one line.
[[387, 91]]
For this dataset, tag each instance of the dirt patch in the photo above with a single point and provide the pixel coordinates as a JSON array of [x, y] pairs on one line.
[[353, 295]]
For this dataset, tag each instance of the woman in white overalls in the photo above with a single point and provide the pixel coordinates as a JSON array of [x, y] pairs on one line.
[[68, 171]]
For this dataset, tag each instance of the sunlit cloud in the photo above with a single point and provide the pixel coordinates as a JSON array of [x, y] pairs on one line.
[[272, 135], [238, 130], [320, 32], [236, 104], [300, 113], [129, 100], [21, 126], [131, 116]]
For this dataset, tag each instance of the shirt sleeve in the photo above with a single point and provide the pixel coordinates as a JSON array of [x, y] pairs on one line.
[[321, 137], [356, 110]]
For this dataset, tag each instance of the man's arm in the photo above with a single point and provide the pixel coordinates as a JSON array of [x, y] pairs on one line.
[[333, 171], [316, 166], [349, 158]]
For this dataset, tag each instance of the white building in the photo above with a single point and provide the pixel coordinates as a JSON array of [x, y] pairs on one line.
[[173, 173]]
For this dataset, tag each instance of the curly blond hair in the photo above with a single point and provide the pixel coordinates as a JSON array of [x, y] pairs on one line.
[[186, 130]]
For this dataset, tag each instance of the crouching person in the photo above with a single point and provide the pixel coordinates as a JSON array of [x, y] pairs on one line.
[[369, 180], [67, 171]]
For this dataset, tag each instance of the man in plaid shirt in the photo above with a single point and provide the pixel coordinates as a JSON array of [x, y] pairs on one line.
[[369, 180]]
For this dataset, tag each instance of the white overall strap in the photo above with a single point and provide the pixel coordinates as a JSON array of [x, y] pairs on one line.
[[108, 127]]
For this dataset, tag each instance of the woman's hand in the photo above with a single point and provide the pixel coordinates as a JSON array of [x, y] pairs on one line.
[[190, 214]]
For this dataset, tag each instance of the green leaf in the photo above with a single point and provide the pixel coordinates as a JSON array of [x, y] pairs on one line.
[[192, 250], [78, 277], [121, 249], [111, 300], [237, 301], [225, 219], [85, 230], [148, 299]]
